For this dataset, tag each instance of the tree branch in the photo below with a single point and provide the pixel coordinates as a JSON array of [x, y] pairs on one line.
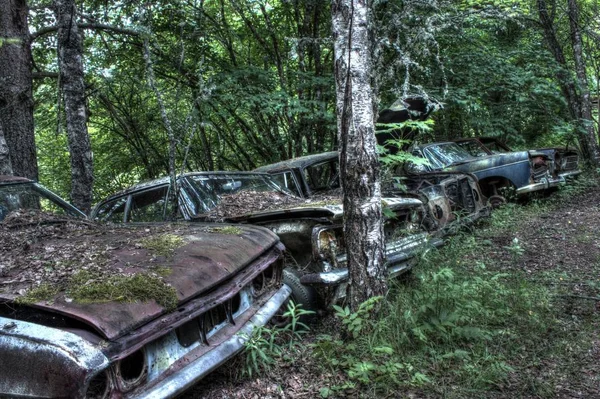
[[93, 26]]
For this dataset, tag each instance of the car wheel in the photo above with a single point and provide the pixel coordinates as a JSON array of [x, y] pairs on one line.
[[302, 295], [496, 201]]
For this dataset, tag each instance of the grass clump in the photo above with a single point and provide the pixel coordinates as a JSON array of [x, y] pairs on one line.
[[163, 245], [232, 230], [44, 292], [85, 287]]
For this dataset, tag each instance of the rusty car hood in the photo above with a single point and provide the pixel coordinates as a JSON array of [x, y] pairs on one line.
[[205, 256], [331, 211]]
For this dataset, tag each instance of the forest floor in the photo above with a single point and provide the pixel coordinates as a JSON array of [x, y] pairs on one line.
[[547, 242]]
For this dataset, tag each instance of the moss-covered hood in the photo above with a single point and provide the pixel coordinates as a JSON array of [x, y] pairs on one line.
[[115, 279]]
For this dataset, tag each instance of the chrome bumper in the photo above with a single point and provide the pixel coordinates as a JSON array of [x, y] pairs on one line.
[[186, 377], [544, 184], [571, 173], [399, 259], [39, 361]]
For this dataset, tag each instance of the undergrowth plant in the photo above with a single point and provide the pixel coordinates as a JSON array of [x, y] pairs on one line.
[[267, 345], [456, 322]]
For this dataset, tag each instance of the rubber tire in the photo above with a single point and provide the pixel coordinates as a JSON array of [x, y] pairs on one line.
[[301, 294]]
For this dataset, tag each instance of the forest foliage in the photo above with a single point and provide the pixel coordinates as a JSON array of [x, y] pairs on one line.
[[245, 83]]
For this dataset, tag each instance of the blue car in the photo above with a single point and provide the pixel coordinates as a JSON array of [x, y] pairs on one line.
[[522, 171]]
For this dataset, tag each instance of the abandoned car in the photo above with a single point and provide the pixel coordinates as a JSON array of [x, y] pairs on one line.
[[563, 161], [452, 199], [310, 230], [522, 171], [98, 311]]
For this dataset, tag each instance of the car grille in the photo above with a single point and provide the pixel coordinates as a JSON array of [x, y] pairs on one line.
[[570, 162]]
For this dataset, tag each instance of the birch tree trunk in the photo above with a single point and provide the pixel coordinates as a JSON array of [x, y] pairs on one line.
[[72, 87], [16, 94], [359, 163]]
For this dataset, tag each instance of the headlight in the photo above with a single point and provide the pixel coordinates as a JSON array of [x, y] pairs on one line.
[[132, 370], [328, 244]]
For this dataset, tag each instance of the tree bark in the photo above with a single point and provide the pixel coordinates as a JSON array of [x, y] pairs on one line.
[[5, 165], [588, 135], [72, 88], [16, 93], [359, 163]]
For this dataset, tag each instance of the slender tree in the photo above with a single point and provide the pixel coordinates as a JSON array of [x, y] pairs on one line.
[[589, 141], [16, 95], [72, 87], [359, 164]]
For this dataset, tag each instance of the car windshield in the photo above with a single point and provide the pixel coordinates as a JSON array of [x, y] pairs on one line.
[[446, 154], [474, 147], [26, 196], [211, 188], [286, 179]]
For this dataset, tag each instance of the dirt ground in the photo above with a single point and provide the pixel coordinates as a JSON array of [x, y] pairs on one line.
[[564, 242]]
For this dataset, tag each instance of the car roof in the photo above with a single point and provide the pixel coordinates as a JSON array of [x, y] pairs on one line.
[[299, 162]]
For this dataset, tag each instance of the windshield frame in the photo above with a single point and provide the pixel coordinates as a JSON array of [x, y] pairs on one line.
[[50, 195]]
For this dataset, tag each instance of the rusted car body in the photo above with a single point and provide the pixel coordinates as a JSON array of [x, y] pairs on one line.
[[563, 161], [57, 340], [523, 171], [452, 199], [311, 231]]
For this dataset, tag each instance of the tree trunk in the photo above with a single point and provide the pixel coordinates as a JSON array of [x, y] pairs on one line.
[[359, 163], [587, 142], [16, 94], [587, 135], [5, 165], [72, 88]]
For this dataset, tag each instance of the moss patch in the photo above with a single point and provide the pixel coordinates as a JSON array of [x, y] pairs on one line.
[[44, 292], [87, 287], [233, 230], [163, 245]]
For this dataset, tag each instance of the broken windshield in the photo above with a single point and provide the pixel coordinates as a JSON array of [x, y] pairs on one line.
[[446, 154], [211, 189]]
